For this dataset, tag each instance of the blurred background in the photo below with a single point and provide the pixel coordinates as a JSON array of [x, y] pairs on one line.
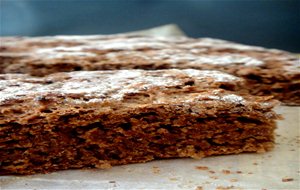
[[269, 23]]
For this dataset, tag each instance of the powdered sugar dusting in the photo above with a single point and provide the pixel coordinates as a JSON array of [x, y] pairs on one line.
[[173, 51], [232, 98], [217, 95], [213, 95], [61, 52], [130, 44], [102, 85], [216, 75], [293, 66], [175, 58], [171, 56], [192, 59], [228, 59]]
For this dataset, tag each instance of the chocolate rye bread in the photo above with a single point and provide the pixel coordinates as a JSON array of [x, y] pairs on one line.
[[96, 119], [266, 71]]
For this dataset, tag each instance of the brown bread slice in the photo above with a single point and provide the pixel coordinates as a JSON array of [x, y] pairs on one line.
[[95, 119]]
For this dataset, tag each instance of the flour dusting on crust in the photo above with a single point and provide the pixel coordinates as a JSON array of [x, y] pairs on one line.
[[102, 85], [118, 48]]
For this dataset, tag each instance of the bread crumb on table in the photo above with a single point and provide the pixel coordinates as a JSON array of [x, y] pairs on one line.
[[233, 180], [155, 169], [287, 179], [228, 188], [226, 171], [202, 167]]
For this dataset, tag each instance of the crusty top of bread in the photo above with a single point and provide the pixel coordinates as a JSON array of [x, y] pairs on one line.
[[24, 99], [44, 55], [113, 85]]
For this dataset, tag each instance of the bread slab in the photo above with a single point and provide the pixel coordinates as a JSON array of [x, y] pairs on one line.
[[267, 71], [96, 119]]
